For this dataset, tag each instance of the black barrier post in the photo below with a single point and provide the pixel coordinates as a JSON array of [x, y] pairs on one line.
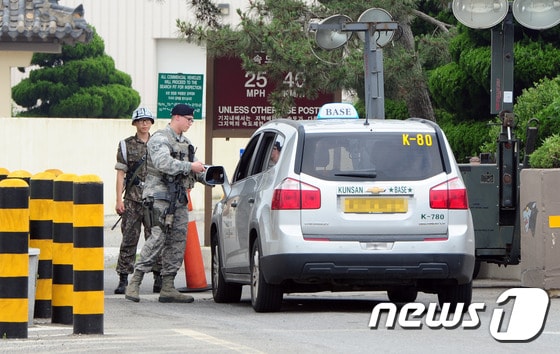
[[62, 290], [14, 258], [41, 237], [88, 255]]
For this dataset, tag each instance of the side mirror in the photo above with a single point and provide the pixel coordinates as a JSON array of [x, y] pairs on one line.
[[214, 175]]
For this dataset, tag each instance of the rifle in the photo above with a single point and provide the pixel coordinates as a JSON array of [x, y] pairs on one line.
[[132, 179], [192, 150], [176, 193], [132, 174], [118, 221], [174, 187]]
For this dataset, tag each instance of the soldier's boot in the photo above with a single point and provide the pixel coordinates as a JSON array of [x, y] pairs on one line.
[[123, 282], [133, 289], [157, 282], [170, 294]]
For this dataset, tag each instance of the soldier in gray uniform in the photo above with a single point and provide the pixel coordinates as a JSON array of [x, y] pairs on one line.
[[172, 169], [131, 169]]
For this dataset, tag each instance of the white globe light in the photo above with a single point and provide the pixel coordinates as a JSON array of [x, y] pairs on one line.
[[537, 14], [480, 13]]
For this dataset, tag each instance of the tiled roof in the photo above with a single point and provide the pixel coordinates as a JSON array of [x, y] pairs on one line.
[[41, 21]]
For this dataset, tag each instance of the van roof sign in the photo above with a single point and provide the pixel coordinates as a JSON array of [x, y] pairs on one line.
[[337, 111]]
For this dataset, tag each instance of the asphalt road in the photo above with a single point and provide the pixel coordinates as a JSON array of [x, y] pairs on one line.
[[310, 323]]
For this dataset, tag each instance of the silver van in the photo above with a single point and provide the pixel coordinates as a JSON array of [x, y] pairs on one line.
[[344, 204]]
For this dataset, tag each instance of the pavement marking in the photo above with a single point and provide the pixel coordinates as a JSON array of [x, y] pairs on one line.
[[216, 341]]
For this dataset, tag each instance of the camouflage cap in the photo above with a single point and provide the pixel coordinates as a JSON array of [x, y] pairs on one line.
[[142, 113]]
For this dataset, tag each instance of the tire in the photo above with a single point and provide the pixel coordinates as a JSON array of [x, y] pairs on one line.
[[222, 291], [403, 294], [476, 270], [461, 293], [264, 297]]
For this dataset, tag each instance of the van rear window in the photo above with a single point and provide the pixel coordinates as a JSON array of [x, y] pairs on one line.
[[381, 156]]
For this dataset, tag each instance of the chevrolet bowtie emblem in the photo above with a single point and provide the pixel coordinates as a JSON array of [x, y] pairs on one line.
[[375, 190]]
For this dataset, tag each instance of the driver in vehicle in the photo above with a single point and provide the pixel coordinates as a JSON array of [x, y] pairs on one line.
[[275, 154]]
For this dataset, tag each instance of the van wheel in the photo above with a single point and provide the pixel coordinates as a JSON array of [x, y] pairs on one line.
[[222, 291], [264, 297], [402, 294], [454, 294]]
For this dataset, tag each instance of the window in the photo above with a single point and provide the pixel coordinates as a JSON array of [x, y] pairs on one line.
[[380, 156], [242, 169], [263, 153]]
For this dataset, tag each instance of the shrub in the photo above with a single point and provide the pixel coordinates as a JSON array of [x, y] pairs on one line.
[[548, 154]]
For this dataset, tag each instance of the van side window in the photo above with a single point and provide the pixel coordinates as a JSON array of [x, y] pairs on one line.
[[262, 155], [275, 151], [244, 164]]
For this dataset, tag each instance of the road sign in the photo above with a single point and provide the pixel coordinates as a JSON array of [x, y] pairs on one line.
[[176, 88], [240, 98]]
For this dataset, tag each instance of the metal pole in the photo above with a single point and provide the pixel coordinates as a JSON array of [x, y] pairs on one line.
[[501, 85], [373, 61], [374, 84]]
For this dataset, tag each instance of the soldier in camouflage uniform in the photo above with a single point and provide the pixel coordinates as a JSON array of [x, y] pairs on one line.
[[172, 169], [131, 169]]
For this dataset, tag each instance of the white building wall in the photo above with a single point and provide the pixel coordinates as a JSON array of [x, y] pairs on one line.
[[77, 146]]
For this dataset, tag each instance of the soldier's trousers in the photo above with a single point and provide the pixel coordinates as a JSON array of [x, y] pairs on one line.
[[170, 245], [131, 224]]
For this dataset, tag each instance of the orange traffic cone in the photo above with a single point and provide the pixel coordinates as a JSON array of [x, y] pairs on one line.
[[194, 265]]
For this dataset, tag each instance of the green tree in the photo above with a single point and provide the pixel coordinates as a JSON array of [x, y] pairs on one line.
[[462, 86], [279, 28], [433, 69], [548, 155], [81, 81]]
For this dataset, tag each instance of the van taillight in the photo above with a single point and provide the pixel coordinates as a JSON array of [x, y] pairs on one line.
[[449, 195], [293, 194]]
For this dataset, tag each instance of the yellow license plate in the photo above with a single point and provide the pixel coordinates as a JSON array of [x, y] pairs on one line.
[[375, 205]]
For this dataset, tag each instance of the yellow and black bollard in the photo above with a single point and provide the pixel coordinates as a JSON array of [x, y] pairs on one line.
[[14, 258], [21, 174], [41, 237], [3, 173], [88, 255], [63, 244], [55, 171]]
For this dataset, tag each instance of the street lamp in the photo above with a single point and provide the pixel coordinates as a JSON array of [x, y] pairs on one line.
[[480, 14], [376, 28], [537, 14]]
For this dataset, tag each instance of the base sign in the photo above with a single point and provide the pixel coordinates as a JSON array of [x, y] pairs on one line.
[[176, 88]]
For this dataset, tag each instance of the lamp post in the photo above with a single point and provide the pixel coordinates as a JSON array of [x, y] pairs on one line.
[[498, 15], [480, 14], [376, 28]]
